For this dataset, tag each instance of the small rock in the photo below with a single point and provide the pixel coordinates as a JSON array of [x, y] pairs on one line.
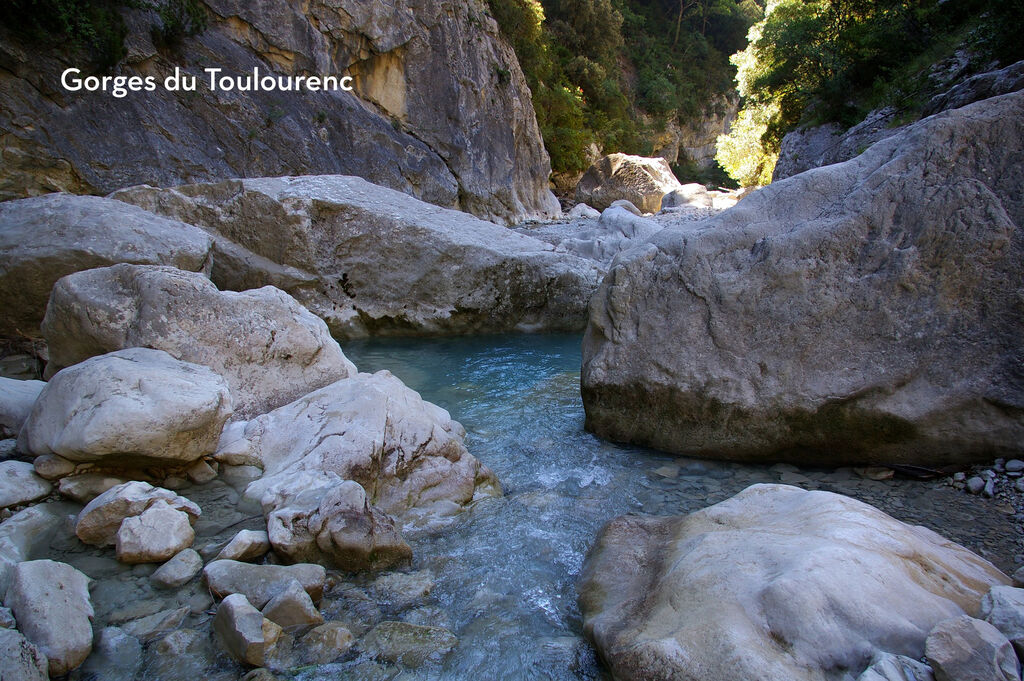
[[327, 643], [293, 609], [876, 473], [399, 590], [583, 211], [246, 545], [99, 521], [670, 472], [408, 644], [20, 485], [21, 660], [260, 583], [1019, 485], [988, 474], [52, 467], [246, 634], [7, 620], [975, 485], [116, 656], [151, 627], [889, 667], [179, 570], [990, 488], [966, 648], [50, 601], [1003, 608], [626, 205], [959, 476], [156, 535], [1018, 577], [201, 472], [1015, 466], [87, 486]]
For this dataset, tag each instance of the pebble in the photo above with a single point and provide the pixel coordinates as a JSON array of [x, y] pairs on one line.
[[975, 485], [959, 476], [990, 488], [1015, 466]]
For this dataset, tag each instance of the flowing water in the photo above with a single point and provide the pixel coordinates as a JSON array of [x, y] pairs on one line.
[[504, 574]]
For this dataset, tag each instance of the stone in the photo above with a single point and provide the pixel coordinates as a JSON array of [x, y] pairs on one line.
[[137, 406], [617, 230], [179, 570], [85, 487], [582, 211], [482, 278], [963, 648], [402, 590], [627, 206], [477, 146], [829, 333], [99, 521], [247, 636], [151, 627], [16, 400], [327, 643], [182, 653], [259, 583], [691, 194], [7, 620], [201, 472], [641, 181], [267, 347], [53, 467], [975, 485], [292, 609], [308, 448], [1003, 608], [26, 534], [774, 583], [1014, 466], [990, 488], [20, 485], [888, 667], [154, 536], [22, 661], [246, 545], [410, 645], [50, 601], [45, 238], [116, 656]]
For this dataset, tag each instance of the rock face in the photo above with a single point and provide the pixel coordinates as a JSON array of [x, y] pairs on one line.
[[16, 400], [879, 326], [440, 110], [50, 600], [397, 451], [443, 272], [641, 181], [774, 583], [43, 239], [136, 406], [266, 346]]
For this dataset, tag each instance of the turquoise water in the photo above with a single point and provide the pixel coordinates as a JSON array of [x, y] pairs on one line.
[[505, 571]]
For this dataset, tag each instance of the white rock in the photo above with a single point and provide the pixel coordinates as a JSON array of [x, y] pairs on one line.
[[962, 648], [157, 534], [99, 521], [53, 467], [85, 487], [21, 660], [582, 210], [246, 545], [246, 634], [896, 668], [201, 472], [179, 570], [1003, 608], [51, 603], [20, 485], [16, 400], [137, 406], [292, 609], [642, 181], [25, 533], [259, 583], [268, 348], [774, 583]]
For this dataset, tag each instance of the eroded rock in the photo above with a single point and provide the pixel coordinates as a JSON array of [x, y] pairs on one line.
[[641, 181]]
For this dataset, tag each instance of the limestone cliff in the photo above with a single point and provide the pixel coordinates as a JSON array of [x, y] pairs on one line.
[[440, 111]]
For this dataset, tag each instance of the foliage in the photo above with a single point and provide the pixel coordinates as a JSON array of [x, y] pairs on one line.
[[96, 26], [741, 152]]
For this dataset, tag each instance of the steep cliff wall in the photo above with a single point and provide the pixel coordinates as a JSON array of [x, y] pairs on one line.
[[441, 110]]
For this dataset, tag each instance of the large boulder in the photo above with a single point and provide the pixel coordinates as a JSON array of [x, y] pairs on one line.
[[774, 583], [266, 346], [442, 271], [133, 407], [869, 311], [50, 601], [45, 238], [370, 429], [639, 180]]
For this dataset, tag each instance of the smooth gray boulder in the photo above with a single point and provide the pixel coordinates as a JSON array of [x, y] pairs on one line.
[[245, 545], [136, 407], [443, 272], [98, 523], [16, 400], [20, 485], [967, 649], [50, 601], [262, 342], [21, 660], [774, 583], [179, 570], [260, 583], [45, 238], [639, 180], [865, 312]]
